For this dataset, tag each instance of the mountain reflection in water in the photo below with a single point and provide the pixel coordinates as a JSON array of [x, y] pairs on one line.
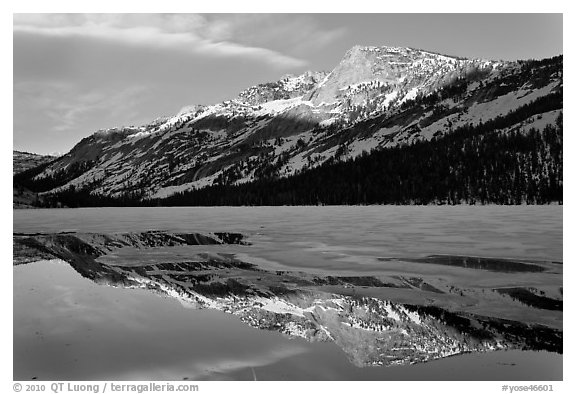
[[354, 305]]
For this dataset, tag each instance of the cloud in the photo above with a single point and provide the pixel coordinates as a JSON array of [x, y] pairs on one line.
[[294, 32], [183, 32], [66, 107]]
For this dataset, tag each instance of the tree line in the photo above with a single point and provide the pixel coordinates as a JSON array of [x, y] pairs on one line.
[[473, 165]]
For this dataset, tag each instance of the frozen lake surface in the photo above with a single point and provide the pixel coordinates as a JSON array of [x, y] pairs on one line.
[[336, 234], [116, 333]]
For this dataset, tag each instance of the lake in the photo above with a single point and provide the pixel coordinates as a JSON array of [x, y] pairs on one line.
[[102, 332]]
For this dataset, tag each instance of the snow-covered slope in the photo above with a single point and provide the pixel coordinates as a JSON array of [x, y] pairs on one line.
[[376, 97]]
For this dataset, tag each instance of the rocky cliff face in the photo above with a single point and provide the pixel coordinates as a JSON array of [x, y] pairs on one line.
[[399, 73], [377, 97], [288, 87]]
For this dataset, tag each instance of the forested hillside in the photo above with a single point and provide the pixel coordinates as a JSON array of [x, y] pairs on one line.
[[387, 126], [472, 165]]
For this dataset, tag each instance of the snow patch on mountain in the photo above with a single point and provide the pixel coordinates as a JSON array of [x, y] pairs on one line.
[[276, 106], [411, 95], [299, 122]]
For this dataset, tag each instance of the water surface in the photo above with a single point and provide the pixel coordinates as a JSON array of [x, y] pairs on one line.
[[67, 327], [312, 236]]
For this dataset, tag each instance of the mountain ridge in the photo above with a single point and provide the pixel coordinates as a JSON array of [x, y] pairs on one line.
[[375, 98]]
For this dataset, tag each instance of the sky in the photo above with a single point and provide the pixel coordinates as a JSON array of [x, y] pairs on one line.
[[74, 74]]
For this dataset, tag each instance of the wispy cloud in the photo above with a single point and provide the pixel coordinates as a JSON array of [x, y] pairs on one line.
[[183, 32], [76, 73], [293, 32], [67, 108]]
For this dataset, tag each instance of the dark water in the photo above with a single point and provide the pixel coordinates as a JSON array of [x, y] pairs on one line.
[[67, 327]]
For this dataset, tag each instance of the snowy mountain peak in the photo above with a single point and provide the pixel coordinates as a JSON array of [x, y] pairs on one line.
[[376, 97], [400, 69]]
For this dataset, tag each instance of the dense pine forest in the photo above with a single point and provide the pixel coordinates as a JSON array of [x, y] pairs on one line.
[[481, 164], [473, 165], [466, 167]]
